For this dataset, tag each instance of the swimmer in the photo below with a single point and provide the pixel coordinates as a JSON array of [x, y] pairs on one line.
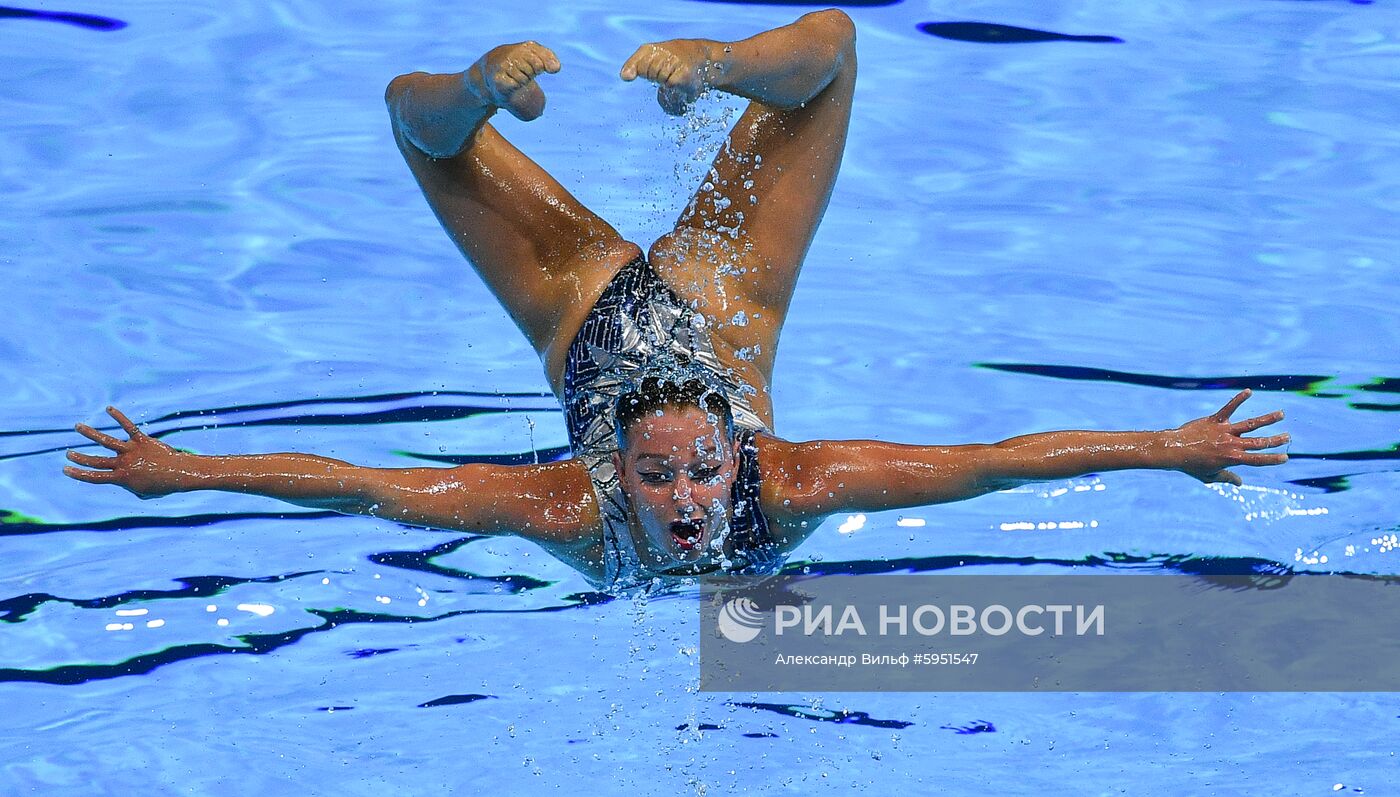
[[676, 469]]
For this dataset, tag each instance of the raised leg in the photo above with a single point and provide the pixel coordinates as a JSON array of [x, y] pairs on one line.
[[543, 254], [738, 247]]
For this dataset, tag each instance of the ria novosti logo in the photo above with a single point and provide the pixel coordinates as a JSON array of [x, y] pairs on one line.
[[740, 620]]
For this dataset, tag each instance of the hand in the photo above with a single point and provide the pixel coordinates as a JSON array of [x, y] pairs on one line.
[[681, 69], [1204, 447], [505, 77], [144, 465]]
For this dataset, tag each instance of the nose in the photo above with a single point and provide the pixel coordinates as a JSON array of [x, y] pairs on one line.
[[683, 489]]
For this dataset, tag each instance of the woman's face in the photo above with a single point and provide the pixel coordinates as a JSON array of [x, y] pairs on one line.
[[678, 469]]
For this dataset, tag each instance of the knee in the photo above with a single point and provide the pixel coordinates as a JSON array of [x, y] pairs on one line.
[[673, 247], [839, 28]]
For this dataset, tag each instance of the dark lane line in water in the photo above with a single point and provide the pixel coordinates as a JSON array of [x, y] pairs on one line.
[[539, 455], [422, 562], [254, 644], [996, 33], [976, 726], [17, 608], [380, 398], [839, 716], [1327, 484], [1362, 405], [1296, 383], [402, 415], [14, 610], [1275, 575], [433, 414], [365, 653], [455, 700], [1186, 564], [11, 528], [211, 419], [89, 21], [1363, 455]]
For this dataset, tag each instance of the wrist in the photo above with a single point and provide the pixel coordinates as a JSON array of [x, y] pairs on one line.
[[1166, 449], [184, 472]]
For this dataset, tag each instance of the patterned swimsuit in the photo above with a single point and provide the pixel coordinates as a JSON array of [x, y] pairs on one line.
[[638, 326]]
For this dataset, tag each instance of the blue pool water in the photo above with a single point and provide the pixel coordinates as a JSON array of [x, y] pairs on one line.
[[206, 223]]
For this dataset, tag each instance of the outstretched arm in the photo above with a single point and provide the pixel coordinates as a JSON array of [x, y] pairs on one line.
[[839, 476], [538, 502]]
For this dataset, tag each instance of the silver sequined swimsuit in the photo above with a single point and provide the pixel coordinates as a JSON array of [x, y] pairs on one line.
[[639, 325]]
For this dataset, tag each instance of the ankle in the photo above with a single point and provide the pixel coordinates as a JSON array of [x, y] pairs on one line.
[[477, 89]]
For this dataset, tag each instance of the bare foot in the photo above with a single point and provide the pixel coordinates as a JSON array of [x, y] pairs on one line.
[[681, 69], [505, 77]]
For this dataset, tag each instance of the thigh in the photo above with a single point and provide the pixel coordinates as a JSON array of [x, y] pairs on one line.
[[738, 247], [543, 254]]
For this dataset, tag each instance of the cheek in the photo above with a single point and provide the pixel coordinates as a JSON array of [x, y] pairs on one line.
[[716, 493], [648, 501]]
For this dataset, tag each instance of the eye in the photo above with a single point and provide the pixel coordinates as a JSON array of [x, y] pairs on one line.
[[705, 474], [654, 478]]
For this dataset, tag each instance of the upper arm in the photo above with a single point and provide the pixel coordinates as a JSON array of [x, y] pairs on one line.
[[819, 478], [547, 503]]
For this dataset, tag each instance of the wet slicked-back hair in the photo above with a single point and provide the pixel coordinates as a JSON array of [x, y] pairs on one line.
[[657, 393]]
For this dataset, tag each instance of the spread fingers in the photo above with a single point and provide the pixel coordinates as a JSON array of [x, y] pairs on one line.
[[1232, 405], [89, 476], [124, 421], [92, 461], [1252, 443], [1250, 424], [100, 437]]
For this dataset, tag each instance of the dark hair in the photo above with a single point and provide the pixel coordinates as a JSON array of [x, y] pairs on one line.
[[657, 393]]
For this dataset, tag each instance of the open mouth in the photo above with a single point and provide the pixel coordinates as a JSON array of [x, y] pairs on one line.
[[687, 533]]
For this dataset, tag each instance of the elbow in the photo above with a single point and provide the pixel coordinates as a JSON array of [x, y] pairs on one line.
[[996, 468]]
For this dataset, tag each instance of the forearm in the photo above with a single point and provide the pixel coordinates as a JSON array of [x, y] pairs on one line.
[[438, 114], [785, 67], [868, 475], [1066, 454], [892, 475], [302, 479]]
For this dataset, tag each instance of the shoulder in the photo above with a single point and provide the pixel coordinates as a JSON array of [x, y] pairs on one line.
[[552, 504], [794, 476], [785, 464]]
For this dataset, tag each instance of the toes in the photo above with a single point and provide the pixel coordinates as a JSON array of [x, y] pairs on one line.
[[673, 72], [542, 58]]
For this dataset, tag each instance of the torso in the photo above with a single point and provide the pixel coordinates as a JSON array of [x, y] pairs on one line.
[[639, 325], [746, 350]]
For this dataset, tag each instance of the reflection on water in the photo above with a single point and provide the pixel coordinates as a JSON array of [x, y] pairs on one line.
[[996, 33], [89, 21]]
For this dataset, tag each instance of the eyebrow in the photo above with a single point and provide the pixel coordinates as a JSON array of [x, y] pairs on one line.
[[664, 459]]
